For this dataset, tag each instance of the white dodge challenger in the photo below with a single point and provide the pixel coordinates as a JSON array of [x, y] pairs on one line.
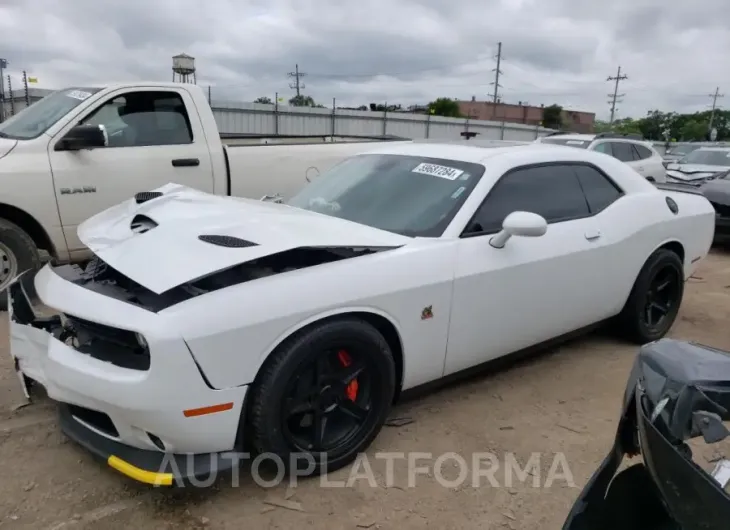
[[207, 325]]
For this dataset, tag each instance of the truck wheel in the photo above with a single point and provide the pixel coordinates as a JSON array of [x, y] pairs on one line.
[[655, 299], [18, 253], [323, 396]]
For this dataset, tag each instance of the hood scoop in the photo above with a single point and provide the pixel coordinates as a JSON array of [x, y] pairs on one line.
[[141, 224], [145, 196], [226, 241]]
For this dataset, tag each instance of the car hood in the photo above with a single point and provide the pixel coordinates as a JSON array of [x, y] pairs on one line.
[[6, 145], [693, 171], [156, 242]]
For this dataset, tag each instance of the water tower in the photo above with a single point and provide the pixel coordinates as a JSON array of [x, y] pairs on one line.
[[183, 69]]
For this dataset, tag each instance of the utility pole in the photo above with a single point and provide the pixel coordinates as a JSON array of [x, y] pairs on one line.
[[25, 88], [296, 74], [3, 66], [614, 97], [714, 107], [497, 71], [10, 94]]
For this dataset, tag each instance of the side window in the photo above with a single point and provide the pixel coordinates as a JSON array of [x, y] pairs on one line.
[[623, 151], [600, 192], [643, 152], [141, 119], [604, 147], [551, 191]]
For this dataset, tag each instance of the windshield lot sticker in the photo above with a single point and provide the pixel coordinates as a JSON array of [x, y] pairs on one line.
[[78, 94], [443, 172]]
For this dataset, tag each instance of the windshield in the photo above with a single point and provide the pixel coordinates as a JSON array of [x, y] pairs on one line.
[[583, 144], [682, 149], [409, 195], [707, 158], [33, 121]]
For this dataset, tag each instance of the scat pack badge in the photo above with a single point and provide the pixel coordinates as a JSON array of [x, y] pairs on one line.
[[427, 313]]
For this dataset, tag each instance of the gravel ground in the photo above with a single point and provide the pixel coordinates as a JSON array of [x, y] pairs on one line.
[[561, 404]]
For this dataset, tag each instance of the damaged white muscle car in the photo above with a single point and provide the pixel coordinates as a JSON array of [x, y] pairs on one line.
[[207, 325]]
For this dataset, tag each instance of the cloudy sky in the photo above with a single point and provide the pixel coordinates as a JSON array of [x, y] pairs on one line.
[[674, 52]]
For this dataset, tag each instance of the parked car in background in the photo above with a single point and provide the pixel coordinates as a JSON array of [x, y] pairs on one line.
[[630, 149], [677, 392], [717, 191], [207, 324], [675, 152], [700, 165]]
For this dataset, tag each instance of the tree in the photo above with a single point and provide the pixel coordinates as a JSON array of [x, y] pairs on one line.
[[264, 100], [552, 117], [445, 107], [302, 101]]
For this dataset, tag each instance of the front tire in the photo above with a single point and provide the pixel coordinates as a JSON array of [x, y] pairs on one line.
[[323, 396], [18, 253], [655, 299]]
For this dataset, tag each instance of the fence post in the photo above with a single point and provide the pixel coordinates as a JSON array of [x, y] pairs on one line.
[[276, 114], [537, 131], [501, 131], [333, 120], [428, 124], [385, 119]]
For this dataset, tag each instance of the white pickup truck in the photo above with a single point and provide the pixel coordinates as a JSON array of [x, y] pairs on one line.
[[81, 150]]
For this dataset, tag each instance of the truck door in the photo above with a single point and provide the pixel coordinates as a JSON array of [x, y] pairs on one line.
[[155, 137]]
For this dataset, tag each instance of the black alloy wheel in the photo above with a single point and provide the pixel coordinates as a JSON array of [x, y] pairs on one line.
[[322, 397], [328, 403], [662, 297], [655, 298]]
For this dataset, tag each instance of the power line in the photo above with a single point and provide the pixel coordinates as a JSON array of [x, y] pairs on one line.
[[714, 107], [497, 71], [296, 74], [615, 94]]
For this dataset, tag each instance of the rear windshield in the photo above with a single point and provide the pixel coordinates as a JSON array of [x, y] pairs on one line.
[[583, 144]]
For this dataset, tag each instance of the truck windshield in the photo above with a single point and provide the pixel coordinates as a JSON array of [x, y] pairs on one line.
[[33, 121], [410, 195]]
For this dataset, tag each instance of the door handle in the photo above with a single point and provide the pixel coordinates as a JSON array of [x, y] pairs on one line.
[[185, 162], [592, 235], [640, 168]]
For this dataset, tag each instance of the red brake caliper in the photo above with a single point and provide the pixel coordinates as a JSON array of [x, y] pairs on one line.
[[346, 360]]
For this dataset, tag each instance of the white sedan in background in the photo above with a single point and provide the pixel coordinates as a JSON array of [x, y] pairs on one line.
[[206, 325], [629, 148]]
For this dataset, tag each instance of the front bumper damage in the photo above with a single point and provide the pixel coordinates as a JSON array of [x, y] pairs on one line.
[[144, 408], [676, 391]]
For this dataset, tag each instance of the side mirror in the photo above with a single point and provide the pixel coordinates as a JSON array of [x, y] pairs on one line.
[[83, 137], [525, 224]]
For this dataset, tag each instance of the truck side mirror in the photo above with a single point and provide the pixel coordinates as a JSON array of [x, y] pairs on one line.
[[83, 137]]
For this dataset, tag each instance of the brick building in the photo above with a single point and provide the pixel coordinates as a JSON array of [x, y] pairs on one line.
[[574, 121]]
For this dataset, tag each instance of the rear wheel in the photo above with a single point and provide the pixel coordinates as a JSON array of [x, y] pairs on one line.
[[655, 299], [18, 253], [323, 396]]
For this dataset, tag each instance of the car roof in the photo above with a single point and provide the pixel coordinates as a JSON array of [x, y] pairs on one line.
[[474, 154], [576, 136], [716, 148]]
